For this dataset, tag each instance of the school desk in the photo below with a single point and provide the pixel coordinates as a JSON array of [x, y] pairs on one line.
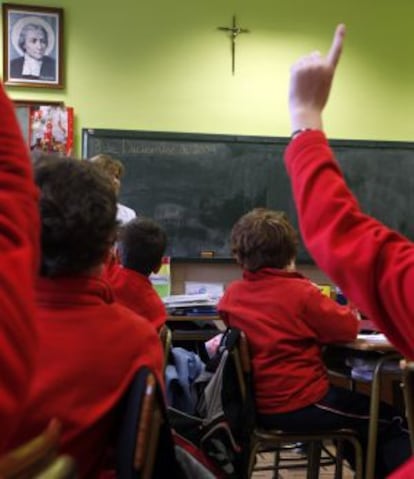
[[384, 352]]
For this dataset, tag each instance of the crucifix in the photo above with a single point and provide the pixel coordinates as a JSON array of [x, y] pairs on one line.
[[234, 33]]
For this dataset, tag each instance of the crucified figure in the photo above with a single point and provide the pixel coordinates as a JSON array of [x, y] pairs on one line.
[[234, 33]]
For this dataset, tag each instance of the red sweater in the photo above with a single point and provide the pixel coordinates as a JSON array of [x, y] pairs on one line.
[[135, 291], [90, 347], [372, 264], [19, 250], [286, 320]]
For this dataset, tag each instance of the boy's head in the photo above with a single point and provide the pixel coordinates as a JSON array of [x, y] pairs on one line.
[[78, 214], [113, 168], [141, 245], [264, 238]]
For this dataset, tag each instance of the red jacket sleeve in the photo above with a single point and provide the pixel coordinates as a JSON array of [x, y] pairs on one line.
[[19, 231], [372, 264], [331, 322]]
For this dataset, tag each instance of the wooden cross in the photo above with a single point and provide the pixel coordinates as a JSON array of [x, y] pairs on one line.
[[234, 33]]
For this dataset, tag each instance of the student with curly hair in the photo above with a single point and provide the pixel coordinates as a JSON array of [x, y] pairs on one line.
[[287, 321], [89, 345]]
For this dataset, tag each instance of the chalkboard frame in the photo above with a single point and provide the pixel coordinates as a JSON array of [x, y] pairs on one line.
[[281, 142]]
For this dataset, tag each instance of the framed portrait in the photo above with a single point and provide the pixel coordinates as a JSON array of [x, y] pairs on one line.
[[32, 46]]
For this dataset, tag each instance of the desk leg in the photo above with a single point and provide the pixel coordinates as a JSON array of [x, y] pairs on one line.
[[373, 416], [408, 389]]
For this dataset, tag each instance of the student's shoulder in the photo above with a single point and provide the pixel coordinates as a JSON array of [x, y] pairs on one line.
[[130, 319], [303, 285], [112, 268], [131, 280], [156, 302], [139, 339], [296, 286]]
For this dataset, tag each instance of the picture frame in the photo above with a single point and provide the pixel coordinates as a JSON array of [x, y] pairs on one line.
[[47, 127], [23, 108], [32, 46]]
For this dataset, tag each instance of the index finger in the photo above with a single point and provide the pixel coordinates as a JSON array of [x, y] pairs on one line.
[[336, 47]]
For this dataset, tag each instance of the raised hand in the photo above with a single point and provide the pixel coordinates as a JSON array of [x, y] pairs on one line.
[[310, 84]]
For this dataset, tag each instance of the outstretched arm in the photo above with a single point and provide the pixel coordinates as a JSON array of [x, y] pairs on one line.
[[310, 84], [19, 251], [372, 264]]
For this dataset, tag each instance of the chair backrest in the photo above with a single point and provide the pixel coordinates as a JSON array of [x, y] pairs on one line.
[[241, 358], [145, 447], [408, 383], [33, 457], [165, 336], [272, 440]]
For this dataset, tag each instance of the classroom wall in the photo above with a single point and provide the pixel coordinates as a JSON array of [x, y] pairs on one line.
[[164, 66]]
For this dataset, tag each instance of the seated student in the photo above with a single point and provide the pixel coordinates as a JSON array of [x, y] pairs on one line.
[[89, 345], [287, 321], [19, 246], [141, 246], [115, 169]]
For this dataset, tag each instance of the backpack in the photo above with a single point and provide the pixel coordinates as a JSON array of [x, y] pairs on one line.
[[224, 417]]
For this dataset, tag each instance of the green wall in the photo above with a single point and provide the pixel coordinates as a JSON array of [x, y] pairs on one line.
[[162, 65]]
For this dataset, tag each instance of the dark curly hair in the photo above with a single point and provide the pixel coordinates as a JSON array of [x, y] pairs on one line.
[[264, 238], [141, 244], [78, 214]]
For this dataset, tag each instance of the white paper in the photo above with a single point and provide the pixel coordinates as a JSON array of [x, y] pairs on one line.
[[213, 290], [377, 337]]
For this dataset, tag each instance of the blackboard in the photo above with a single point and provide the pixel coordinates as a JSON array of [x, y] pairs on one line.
[[198, 185]]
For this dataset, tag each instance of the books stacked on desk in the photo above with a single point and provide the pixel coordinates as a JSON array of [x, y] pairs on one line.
[[191, 305]]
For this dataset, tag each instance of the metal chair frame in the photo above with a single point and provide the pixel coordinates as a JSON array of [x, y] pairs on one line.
[[407, 368], [273, 440], [165, 336], [140, 427]]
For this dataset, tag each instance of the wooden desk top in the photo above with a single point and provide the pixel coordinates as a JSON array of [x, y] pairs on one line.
[[371, 342]]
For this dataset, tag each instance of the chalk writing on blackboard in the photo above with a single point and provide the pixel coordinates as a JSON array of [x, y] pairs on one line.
[[198, 185]]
